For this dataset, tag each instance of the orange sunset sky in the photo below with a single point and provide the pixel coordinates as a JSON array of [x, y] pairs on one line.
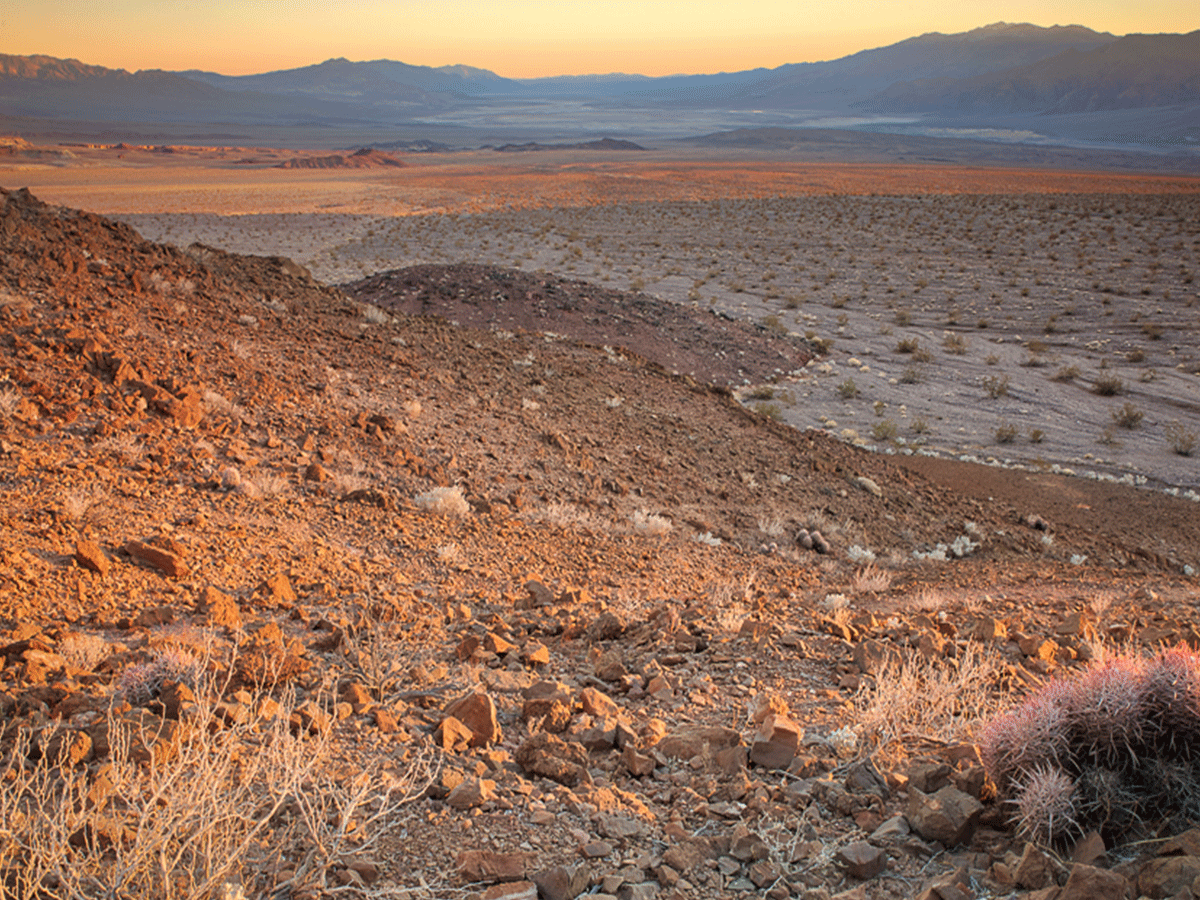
[[524, 38]]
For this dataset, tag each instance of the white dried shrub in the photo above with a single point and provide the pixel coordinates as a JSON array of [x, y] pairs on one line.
[[444, 501], [857, 554], [83, 503], [649, 524], [707, 537], [376, 316], [10, 402], [771, 526]]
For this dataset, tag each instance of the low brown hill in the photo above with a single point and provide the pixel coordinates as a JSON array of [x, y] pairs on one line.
[[365, 158]]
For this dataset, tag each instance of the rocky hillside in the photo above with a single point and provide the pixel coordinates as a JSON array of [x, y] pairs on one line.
[[499, 610]]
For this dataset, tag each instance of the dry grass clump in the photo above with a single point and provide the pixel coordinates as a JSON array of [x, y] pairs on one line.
[[650, 524], [191, 810], [1181, 439], [1107, 385], [996, 386], [1128, 416], [81, 504], [871, 580], [10, 402], [943, 700], [1006, 433], [444, 501]]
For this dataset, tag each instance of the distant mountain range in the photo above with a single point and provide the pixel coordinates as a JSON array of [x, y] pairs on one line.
[[979, 79]]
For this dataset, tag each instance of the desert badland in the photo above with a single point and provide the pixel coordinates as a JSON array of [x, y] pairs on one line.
[[671, 522]]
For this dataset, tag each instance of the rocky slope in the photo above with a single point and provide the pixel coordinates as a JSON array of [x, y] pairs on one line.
[[568, 595]]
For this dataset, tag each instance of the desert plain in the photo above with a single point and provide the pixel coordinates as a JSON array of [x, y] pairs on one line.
[[497, 576]]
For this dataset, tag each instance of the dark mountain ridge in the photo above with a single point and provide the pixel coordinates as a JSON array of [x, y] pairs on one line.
[[993, 77]]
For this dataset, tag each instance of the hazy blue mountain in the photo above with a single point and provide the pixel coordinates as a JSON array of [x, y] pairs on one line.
[[1064, 83], [45, 87], [1136, 71]]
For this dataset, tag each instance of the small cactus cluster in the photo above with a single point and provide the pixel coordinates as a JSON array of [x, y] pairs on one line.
[[1114, 749], [813, 540], [141, 683]]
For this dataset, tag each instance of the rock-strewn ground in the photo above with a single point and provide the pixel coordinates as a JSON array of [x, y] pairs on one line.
[[563, 576]]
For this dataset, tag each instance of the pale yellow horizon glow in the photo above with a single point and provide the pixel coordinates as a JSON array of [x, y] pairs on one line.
[[522, 38]]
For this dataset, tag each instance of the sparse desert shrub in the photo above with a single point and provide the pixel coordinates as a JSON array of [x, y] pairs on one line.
[[374, 315], [1066, 373], [761, 392], [1107, 385], [1181, 439], [649, 524], [771, 526], [857, 554], [80, 504], [996, 386], [912, 375], [871, 580], [848, 390], [956, 344], [903, 317], [1036, 435], [923, 355], [10, 402], [885, 430], [200, 821], [928, 697], [907, 345], [920, 426], [1128, 416], [1122, 733], [769, 410], [444, 501], [1006, 433], [1108, 438]]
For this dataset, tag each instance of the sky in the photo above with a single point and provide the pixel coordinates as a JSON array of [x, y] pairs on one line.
[[525, 38]]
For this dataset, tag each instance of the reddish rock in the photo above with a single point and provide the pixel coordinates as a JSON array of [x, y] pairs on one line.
[[947, 815], [518, 890], [471, 793], [862, 860], [277, 591], [486, 866], [477, 712], [455, 736], [1091, 883], [596, 703], [1164, 877], [774, 746], [89, 555], [165, 561], [220, 609], [553, 758]]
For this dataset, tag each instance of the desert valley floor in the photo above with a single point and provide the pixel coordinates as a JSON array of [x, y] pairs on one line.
[[668, 528]]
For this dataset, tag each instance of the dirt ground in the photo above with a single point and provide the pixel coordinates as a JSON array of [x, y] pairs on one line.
[[616, 542]]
